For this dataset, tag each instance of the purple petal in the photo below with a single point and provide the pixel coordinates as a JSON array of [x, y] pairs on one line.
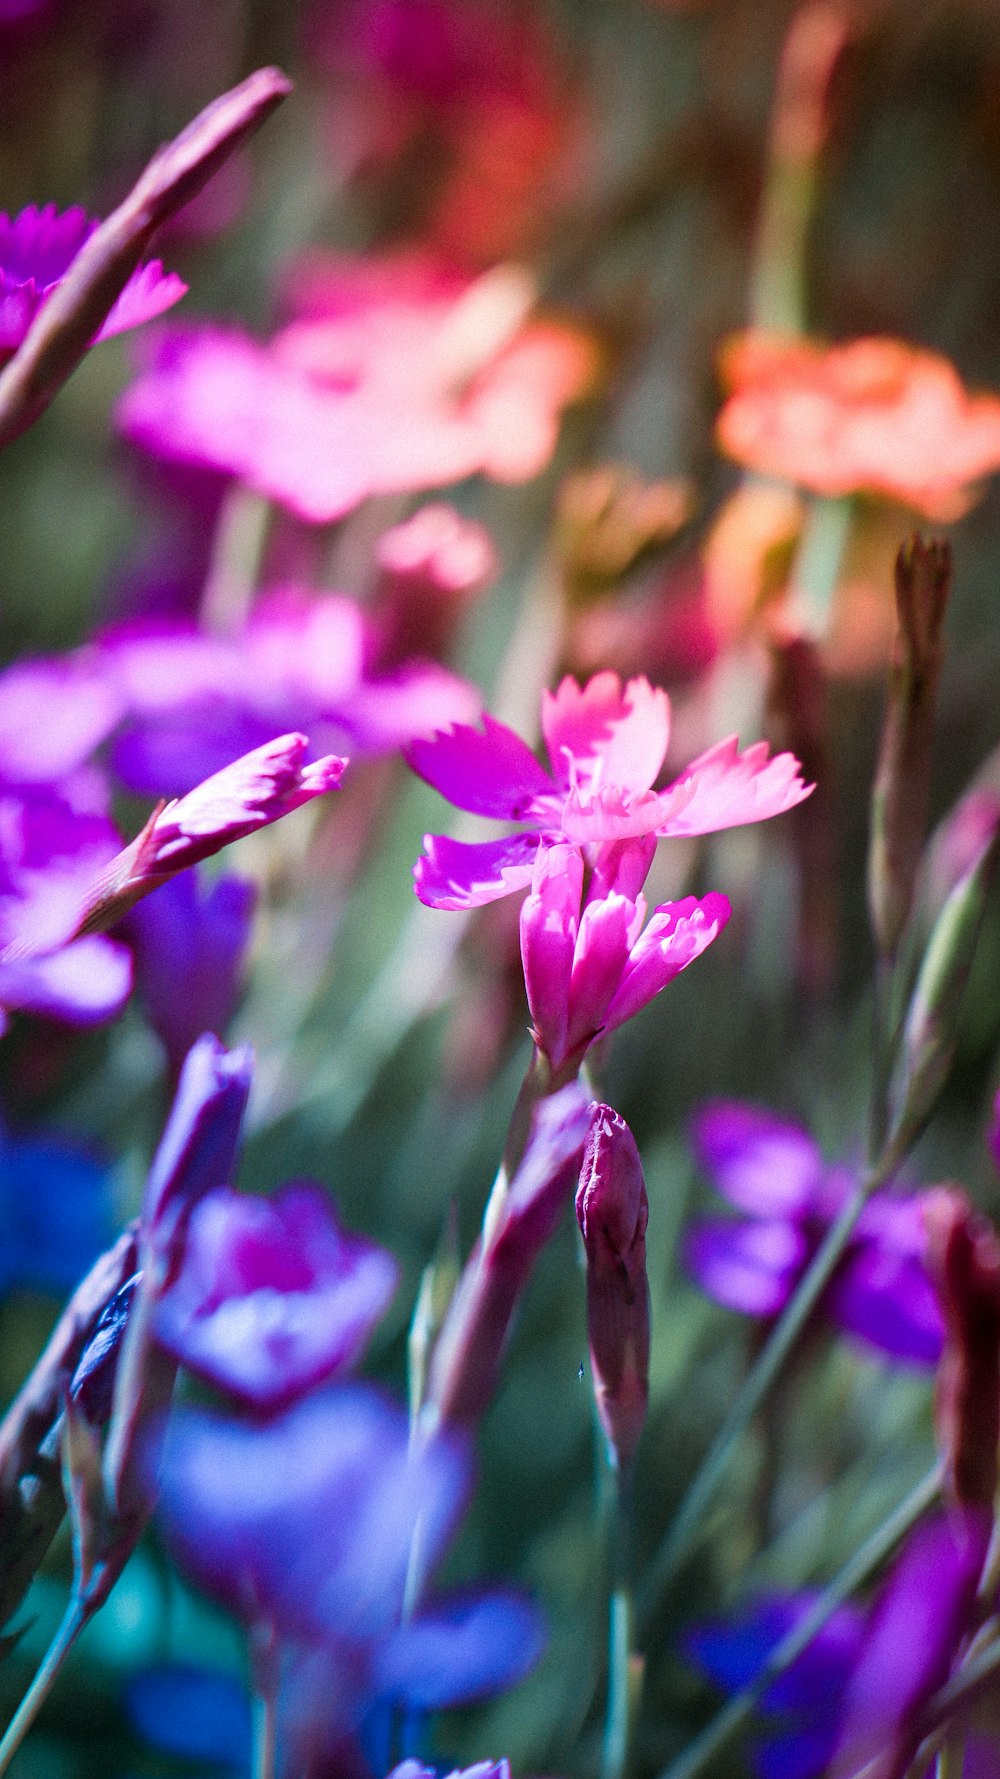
[[461, 1650], [83, 984], [190, 942], [311, 1516], [925, 1610], [273, 1296], [149, 292], [198, 1148], [751, 1267], [415, 702], [760, 1163], [455, 874], [490, 772], [887, 1300], [78, 709]]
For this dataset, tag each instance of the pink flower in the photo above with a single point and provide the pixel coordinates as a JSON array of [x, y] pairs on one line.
[[591, 962], [607, 744], [37, 248], [400, 380]]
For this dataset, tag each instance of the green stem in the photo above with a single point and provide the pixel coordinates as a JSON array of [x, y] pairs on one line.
[[74, 1619], [818, 564], [865, 1561], [237, 552], [623, 1665], [754, 1389]]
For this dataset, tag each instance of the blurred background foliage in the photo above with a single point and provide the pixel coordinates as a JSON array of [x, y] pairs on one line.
[[626, 167]]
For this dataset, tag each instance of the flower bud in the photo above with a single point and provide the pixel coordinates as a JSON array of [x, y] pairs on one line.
[[612, 1210], [965, 1260], [899, 795]]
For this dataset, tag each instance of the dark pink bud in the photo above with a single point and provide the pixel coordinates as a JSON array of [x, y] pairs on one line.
[[965, 1262], [612, 1210]]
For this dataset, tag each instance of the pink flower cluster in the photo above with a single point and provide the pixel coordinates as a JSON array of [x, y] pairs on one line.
[[588, 833]]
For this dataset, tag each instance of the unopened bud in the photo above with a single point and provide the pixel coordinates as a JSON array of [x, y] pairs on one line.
[[964, 1254], [612, 1210], [902, 778]]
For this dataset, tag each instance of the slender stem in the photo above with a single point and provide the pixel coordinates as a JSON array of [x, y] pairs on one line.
[[868, 1558], [818, 564], [74, 1619], [757, 1383], [237, 550], [623, 1667], [963, 1687]]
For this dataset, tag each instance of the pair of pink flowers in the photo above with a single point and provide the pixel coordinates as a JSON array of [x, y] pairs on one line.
[[588, 833]]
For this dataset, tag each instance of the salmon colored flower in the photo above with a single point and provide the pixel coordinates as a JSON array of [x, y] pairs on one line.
[[874, 416]]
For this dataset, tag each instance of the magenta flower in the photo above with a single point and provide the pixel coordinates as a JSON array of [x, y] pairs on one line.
[[397, 382], [301, 662], [592, 962], [272, 1296], [773, 1172], [607, 744], [81, 707], [37, 248]]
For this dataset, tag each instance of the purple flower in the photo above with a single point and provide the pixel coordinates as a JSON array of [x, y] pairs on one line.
[[195, 1714], [612, 1210], [198, 1149], [37, 248], [801, 1711], [272, 1296], [190, 942], [306, 1524], [248, 794], [926, 1610], [79, 707], [52, 846], [300, 662], [774, 1173], [607, 744]]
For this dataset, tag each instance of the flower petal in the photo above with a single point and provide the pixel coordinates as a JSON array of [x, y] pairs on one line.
[[457, 874], [492, 772], [750, 1267], [760, 1163], [605, 733], [725, 789], [463, 1649]]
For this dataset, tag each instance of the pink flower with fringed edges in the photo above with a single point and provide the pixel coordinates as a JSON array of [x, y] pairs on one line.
[[607, 744], [37, 248], [592, 962]]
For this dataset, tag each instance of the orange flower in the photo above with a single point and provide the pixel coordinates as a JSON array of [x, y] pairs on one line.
[[875, 416]]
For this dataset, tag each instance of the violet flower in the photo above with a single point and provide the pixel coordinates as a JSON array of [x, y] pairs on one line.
[[37, 248], [799, 1713], [272, 1296], [56, 1212], [612, 1210], [306, 1524], [607, 744], [925, 1612], [773, 1172], [246, 795], [300, 662], [190, 942], [52, 846], [79, 705]]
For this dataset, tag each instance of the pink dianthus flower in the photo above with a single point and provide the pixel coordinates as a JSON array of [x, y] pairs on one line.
[[37, 248]]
